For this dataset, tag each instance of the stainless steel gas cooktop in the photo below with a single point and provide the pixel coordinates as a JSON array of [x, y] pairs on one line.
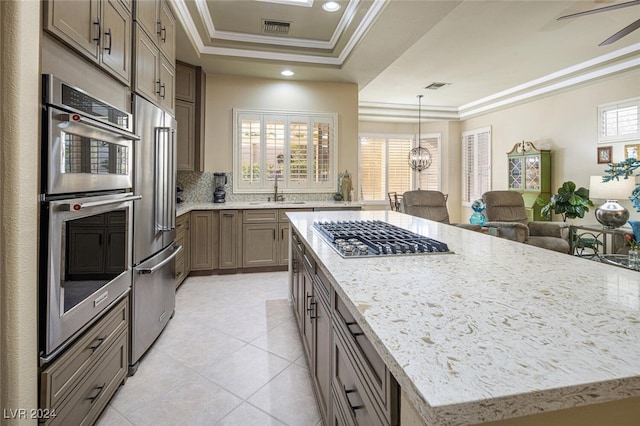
[[360, 238]]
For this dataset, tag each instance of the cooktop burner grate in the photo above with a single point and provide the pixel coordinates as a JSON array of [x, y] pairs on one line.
[[360, 238]]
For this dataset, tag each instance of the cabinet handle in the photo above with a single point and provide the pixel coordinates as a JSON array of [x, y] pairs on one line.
[[100, 389], [274, 234], [352, 407], [97, 38], [162, 91], [163, 34], [158, 83], [108, 33], [294, 265], [282, 234], [227, 214], [311, 307], [99, 239], [353, 334], [99, 341]]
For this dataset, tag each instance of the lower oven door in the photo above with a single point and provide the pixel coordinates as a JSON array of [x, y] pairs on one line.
[[88, 264]]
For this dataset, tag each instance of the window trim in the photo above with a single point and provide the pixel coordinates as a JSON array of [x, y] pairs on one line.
[[283, 186], [475, 132], [613, 106]]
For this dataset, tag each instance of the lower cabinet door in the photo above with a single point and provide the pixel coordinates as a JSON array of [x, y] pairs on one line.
[[322, 353], [85, 404], [349, 391], [260, 244]]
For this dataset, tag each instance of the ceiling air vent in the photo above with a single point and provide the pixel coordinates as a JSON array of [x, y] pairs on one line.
[[436, 86], [275, 27]]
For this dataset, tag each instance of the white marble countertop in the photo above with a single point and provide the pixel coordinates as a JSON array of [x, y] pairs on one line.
[[245, 205], [496, 330]]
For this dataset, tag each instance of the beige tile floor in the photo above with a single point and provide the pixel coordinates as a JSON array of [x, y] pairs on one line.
[[231, 355]]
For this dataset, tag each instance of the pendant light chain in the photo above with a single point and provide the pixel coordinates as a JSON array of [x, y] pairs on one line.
[[419, 157]]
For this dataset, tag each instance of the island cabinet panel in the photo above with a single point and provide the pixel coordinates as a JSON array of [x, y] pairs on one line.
[[204, 239], [351, 382], [353, 403], [230, 239], [322, 344], [79, 383]]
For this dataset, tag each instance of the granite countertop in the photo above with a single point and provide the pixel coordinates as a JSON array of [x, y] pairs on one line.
[[245, 205], [495, 330]]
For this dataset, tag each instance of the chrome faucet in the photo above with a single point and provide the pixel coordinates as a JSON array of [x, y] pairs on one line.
[[276, 196]]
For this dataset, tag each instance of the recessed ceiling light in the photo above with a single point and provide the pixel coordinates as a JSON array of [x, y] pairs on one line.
[[331, 6], [287, 73]]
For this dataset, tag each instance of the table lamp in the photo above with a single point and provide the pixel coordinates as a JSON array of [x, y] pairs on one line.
[[611, 214]]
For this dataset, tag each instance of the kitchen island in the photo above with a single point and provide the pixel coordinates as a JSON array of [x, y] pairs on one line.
[[497, 331]]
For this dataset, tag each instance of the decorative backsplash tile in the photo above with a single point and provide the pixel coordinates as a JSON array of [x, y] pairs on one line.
[[198, 188]]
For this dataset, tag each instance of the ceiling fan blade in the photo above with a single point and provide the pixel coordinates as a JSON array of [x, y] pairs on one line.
[[623, 32], [602, 9]]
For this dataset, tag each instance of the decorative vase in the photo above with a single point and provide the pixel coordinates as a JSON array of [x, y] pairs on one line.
[[633, 260]]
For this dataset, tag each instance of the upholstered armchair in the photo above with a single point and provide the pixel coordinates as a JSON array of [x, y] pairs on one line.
[[430, 205], [507, 214]]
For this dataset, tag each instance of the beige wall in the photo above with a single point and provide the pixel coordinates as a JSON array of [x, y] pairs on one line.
[[224, 93], [19, 140], [567, 124]]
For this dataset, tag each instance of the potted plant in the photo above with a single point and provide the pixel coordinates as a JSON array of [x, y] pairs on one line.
[[568, 202]]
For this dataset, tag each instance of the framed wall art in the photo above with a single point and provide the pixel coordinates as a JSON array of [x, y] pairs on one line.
[[631, 151], [604, 154]]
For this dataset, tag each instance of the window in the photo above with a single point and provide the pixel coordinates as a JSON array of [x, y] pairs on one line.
[[384, 166], [299, 150], [476, 164], [619, 121]]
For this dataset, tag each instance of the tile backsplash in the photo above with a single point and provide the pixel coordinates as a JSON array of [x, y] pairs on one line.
[[198, 188]]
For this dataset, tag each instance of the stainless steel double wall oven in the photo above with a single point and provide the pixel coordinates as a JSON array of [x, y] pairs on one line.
[[86, 212]]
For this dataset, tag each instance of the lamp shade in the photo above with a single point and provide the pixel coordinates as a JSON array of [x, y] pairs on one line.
[[611, 190]]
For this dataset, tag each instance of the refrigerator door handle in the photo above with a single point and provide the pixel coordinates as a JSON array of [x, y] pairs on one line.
[[162, 214], [177, 249]]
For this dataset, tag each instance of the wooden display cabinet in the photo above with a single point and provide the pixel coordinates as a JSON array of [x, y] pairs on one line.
[[530, 174]]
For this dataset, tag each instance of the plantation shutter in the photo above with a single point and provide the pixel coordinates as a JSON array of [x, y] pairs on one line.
[[476, 164], [372, 168], [429, 179], [620, 121]]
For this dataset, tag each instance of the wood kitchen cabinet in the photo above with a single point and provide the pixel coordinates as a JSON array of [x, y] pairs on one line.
[[230, 239], [204, 240], [311, 301], [154, 75], [100, 30], [351, 382], [156, 19], [78, 385], [190, 114], [183, 239]]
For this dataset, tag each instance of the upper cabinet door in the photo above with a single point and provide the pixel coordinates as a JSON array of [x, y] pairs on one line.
[[77, 23], [167, 33], [116, 39], [147, 12]]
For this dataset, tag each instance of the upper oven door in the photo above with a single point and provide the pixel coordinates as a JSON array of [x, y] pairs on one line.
[[84, 155]]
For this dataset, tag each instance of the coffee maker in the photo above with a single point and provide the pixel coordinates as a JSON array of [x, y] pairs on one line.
[[219, 181]]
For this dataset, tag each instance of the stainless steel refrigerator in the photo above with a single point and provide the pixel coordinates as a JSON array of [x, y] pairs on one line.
[[153, 287]]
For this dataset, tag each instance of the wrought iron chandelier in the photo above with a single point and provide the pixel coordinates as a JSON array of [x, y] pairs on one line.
[[419, 157]]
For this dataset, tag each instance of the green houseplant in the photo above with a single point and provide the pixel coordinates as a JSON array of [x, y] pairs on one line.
[[568, 202]]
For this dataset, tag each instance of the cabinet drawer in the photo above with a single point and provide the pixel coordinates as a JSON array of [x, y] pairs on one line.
[[367, 361], [260, 215], [353, 404], [63, 375], [283, 213], [89, 398]]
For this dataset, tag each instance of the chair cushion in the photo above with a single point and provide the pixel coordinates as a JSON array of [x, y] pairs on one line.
[[504, 206], [549, 229], [430, 205]]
